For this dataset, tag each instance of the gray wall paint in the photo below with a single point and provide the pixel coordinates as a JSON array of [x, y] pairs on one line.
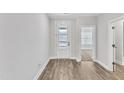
[[103, 36], [24, 43]]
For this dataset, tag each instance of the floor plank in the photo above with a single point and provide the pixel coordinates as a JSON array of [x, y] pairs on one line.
[[67, 69]]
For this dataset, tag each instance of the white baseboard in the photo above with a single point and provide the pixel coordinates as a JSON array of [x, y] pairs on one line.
[[77, 59], [102, 64], [41, 70]]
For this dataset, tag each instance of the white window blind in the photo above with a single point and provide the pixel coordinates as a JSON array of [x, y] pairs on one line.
[[87, 37]]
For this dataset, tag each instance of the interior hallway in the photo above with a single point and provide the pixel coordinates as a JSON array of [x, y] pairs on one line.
[[29, 40], [66, 69]]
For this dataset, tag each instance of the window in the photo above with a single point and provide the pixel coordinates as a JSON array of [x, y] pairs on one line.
[[86, 37], [62, 37]]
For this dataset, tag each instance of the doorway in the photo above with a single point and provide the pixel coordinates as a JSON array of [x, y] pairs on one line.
[[88, 42]]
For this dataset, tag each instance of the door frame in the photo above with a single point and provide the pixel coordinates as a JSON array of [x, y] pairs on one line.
[[94, 41], [57, 23]]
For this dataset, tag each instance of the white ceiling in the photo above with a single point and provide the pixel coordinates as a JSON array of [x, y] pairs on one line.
[[70, 15]]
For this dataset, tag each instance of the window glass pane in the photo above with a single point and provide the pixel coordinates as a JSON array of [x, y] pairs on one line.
[[63, 30], [62, 37], [86, 37], [62, 44]]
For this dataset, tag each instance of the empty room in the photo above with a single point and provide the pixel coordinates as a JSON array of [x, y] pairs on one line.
[[61, 46]]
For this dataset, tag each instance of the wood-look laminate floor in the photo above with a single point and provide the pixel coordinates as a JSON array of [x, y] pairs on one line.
[[67, 69]]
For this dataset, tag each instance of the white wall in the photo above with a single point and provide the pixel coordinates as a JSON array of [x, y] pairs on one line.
[[75, 34], [24, 43], [103, 38]]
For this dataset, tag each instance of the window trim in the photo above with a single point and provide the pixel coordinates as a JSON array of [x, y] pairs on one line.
[[94, 39]]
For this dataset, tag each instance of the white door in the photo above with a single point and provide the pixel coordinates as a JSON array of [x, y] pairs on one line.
[[118, 41], [63, 39]]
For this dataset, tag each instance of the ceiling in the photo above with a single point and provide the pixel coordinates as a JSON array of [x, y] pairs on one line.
[[70, 15]]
